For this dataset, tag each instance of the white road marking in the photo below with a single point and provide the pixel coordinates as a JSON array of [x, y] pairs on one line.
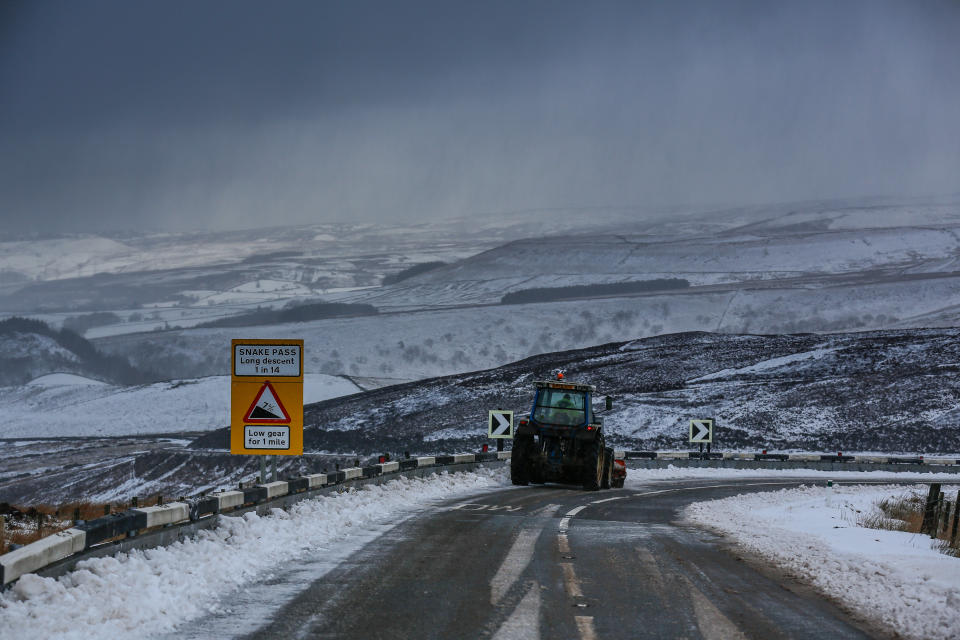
[[570, 580], [517, 559], [576, 510], [474, 506], [513, 564], [585, 627], [524, 622], [563, 544], [712, 623], [608, 500], [564, 525], [546, 511]]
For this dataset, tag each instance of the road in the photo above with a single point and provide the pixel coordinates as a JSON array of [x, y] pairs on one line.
[[553, 562]]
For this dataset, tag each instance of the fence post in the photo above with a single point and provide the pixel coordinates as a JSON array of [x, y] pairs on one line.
[[956, 521], [39, 524], [106, 509], [936, 524], [160, 500], [76, 515], [928, 512]]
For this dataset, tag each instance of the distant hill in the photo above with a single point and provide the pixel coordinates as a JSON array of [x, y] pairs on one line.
[[891, 391], [31, 348], [410, 272], [298, 313]]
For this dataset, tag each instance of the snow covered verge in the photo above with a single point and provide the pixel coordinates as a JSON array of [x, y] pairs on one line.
[[894, 578], [152, 591]]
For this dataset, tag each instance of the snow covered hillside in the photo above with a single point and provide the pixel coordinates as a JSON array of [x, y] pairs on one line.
[[58, 405], [894, 391]]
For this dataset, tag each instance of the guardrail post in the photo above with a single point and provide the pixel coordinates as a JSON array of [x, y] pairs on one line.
[[928, 512]]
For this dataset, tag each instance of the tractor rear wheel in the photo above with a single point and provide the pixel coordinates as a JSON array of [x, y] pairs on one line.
[[519, 460], [607, 468], [593, 465]]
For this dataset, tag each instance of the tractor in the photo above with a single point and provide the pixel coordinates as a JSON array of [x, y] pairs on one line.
[[562, 440]]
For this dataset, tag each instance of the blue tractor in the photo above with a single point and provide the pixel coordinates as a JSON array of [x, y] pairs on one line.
[[562, 439]]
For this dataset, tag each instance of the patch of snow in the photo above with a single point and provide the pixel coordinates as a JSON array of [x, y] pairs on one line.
[[63, 380], [765, 365]]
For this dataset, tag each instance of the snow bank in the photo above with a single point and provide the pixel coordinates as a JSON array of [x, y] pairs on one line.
[[150, 592], [894, 578], [637, 478]]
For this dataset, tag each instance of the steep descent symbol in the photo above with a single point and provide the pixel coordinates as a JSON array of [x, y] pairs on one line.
[[267, 408]]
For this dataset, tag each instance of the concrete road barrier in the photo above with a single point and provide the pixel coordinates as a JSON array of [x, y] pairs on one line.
[[227, 500], [39, 554], [165, 514], [274, 489], [352, 473], [317, 480]]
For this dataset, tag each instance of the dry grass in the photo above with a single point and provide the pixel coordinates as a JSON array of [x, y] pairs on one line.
[[905, 513]]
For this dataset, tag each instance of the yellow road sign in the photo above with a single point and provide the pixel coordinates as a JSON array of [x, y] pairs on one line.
[[266, 397]]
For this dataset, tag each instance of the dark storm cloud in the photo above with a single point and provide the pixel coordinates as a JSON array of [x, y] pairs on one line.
[[219, 114]]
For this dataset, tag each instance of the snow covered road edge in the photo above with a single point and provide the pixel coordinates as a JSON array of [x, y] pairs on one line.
[[891, 578], [149, 592], [52, 557]]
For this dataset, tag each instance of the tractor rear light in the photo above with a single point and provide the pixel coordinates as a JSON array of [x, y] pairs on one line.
[[524, 422], [589, 428]]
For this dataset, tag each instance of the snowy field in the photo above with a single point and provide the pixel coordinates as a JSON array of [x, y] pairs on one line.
[[69, 405], [894, 578], [152, 592]]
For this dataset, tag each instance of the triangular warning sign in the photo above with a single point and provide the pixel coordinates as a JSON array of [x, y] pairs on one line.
[[267, 408]]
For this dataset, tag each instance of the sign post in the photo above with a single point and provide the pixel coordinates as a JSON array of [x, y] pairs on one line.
[[266, 398]]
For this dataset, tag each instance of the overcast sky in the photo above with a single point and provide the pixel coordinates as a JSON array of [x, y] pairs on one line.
[[185, 114]]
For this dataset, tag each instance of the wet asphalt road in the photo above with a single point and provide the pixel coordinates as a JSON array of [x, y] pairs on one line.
[[556, 562]]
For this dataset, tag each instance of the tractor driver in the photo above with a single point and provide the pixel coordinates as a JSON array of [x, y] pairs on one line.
[[562, 410]]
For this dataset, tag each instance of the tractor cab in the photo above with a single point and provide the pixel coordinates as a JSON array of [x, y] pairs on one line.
[[562, 404]]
